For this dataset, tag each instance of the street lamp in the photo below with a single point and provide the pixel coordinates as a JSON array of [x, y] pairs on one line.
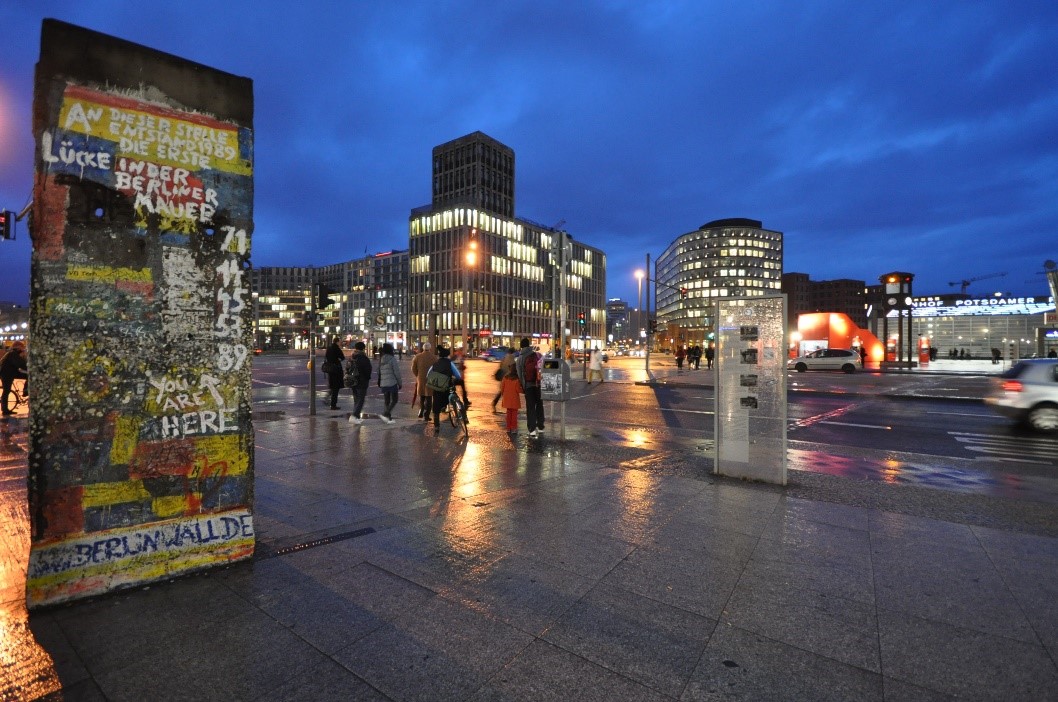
[[639, 277], [470, 256]]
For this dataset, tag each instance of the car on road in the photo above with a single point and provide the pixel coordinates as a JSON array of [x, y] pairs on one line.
[[494, 354], [1028, 393], [827, 359]]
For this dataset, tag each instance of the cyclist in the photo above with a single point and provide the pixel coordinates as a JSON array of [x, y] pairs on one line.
[[12, 366], [444, 366]]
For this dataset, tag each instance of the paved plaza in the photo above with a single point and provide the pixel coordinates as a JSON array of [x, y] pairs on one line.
[[393, 564]]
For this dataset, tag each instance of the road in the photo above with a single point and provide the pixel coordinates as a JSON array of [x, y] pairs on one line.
[[947, 444]]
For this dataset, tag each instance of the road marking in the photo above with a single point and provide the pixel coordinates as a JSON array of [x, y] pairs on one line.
[[982, 415], [1009, 448], [851, 424]]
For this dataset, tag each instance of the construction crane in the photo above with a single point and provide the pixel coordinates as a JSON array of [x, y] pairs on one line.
[[963, 284]]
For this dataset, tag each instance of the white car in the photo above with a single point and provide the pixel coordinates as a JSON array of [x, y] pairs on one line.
[[1028, 393], [827, 359]]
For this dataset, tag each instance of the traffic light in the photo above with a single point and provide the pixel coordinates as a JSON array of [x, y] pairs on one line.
[[653, 324], [7, 224], [580, 318], [304, 333], [323, 294], [683, 293]]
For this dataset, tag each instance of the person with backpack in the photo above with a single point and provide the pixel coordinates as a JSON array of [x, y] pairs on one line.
[[528, 365], [359, 378], [445, 367], [388, 380]]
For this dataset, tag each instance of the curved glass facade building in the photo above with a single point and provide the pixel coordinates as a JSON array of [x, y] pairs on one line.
[[724, 258]]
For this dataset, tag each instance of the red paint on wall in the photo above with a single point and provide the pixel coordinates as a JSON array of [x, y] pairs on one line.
[[63, 511], [50, 202], [153, 459]]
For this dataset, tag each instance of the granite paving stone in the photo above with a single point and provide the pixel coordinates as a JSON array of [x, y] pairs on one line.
[[646, 640], [440, 651], [739, 664], [547, 673], [964, 662]]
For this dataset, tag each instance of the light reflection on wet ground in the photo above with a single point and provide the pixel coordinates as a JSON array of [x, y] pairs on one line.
[[956, 476], [27, 672]]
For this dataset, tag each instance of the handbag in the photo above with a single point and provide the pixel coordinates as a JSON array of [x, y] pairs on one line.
[[437, 381], [329, 367]]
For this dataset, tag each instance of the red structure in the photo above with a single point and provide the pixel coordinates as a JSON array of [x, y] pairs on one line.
[[833, 330]]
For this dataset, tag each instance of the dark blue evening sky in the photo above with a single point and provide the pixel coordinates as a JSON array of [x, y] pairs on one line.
[[878, 136]]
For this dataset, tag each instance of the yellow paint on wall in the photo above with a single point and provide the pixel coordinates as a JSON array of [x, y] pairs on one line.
[[227, 448], [104, 494], [126, 435], [167, 141], [169, 506], [106, 274]]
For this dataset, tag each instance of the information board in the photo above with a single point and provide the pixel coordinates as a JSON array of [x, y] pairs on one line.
[[750, 416]]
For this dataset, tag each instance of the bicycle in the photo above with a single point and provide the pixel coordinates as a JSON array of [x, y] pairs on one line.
[[457, 411], [17, 397]]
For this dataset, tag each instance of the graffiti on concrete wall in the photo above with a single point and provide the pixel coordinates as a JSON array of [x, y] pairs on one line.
[[141, 436]]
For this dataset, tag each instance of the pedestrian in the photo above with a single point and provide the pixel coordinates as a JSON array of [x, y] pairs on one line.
[[680, 355], [511, 390], [445, 366], [332, 367], [595, 365], [363, 380], [528, 365], [389, 381], [12, 366], [1052, 354], [420, 367], [996, 355], [696, 356], [509, 358], [710, 354]]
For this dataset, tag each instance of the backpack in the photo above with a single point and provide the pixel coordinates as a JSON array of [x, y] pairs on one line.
[[352, 373], [532, 369]]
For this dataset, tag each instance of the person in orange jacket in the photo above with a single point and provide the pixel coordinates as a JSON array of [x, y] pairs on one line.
[[512, 397]]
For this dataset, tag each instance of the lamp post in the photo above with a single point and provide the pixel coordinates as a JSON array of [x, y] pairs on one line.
[[470, 257], [639, 309]]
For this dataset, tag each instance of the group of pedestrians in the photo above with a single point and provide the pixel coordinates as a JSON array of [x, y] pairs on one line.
[[693, 356], [357, 371]]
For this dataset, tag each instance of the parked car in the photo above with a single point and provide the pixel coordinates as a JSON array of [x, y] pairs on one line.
[[827, 359], [1028, 393]]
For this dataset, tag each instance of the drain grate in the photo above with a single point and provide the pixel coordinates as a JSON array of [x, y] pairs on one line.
[[334, 538]]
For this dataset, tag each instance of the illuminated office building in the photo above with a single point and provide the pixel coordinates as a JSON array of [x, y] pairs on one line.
[[477, 270], [724, 258], [370, 303]]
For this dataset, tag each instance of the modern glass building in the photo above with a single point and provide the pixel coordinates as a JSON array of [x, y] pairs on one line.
[[724, 258], [1020, 327], [480, 277]]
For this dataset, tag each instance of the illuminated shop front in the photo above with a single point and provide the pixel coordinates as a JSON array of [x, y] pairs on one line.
[[1018, 326]]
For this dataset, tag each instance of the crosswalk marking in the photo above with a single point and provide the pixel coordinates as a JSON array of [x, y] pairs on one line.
[[1013, 448]]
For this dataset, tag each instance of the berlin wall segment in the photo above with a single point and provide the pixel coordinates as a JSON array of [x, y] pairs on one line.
[[141, 436]]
